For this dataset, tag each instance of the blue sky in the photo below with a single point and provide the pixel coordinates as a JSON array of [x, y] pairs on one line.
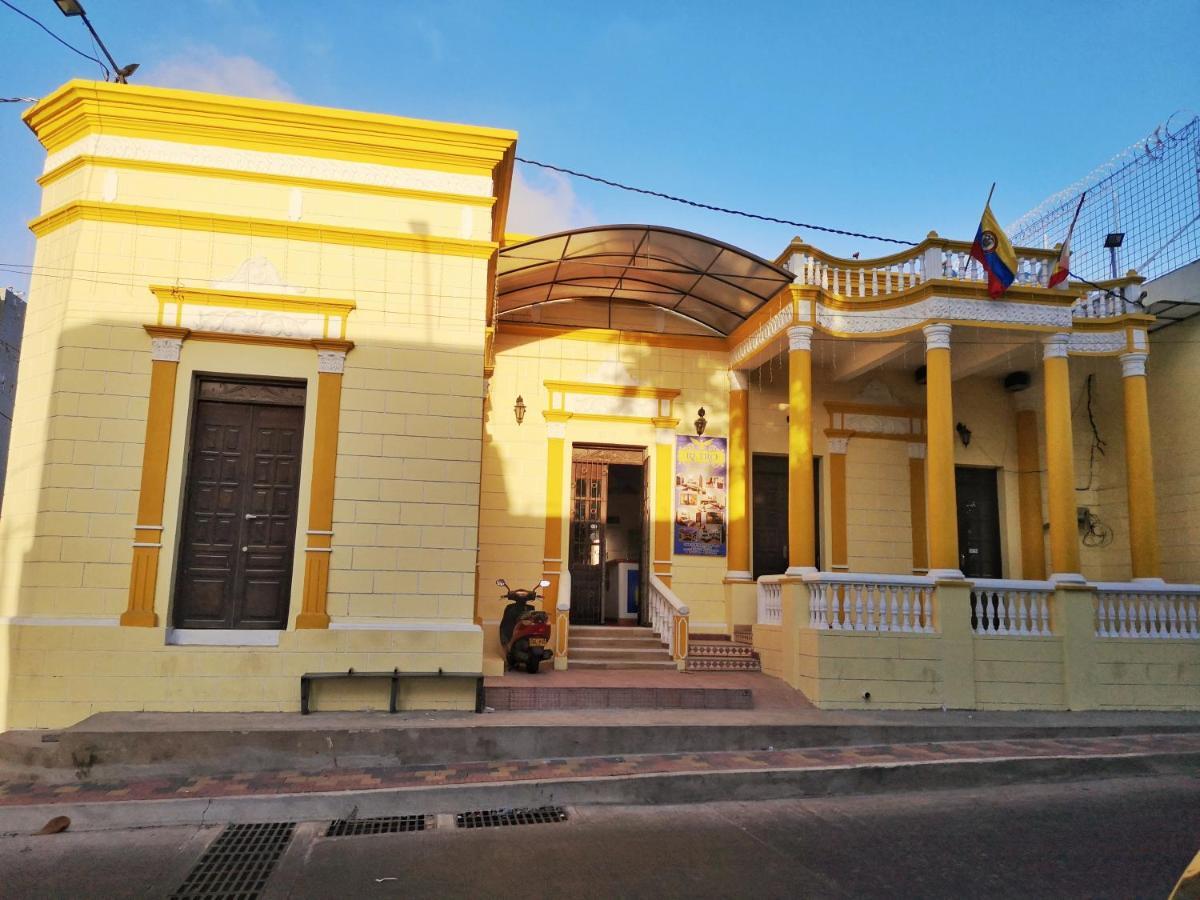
[[890, 118]]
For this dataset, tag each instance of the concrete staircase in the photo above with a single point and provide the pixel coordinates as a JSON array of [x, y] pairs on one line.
[[617, 647]]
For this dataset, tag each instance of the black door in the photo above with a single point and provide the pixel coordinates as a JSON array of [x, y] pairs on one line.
[[769, 477], [239, 521], [585, 552], [978, 522]]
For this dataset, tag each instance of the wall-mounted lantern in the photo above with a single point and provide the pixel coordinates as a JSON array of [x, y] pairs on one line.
[[701, 422], [964, 434], [519, 409]]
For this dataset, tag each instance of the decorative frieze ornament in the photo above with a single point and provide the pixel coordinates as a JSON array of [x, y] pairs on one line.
[[331, 361], [166, 349]]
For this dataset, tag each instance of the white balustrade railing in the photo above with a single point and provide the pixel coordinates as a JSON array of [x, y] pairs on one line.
[[1007, 607], [770, 599], [1148, 611], [1103, 304], [895, 603], [876, 278], [668, 618]]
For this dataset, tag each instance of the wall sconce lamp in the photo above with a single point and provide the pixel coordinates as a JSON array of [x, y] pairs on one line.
[[964, 434], [701, 422], [519, 409]]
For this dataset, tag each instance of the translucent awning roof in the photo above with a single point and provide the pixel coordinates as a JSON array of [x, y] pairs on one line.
[[605, 276]]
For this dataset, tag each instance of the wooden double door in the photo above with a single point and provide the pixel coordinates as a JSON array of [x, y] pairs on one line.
[[240, 500], [769, 513]]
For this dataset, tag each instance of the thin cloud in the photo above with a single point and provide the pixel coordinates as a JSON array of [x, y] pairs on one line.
[[205, 68], [546, 205]]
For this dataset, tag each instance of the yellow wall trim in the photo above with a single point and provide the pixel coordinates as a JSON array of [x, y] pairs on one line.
[[246, 225], [146, 165], [82, 107], [612, 390]]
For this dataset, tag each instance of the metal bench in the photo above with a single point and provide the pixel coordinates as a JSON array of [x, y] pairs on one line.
[[393, 676]]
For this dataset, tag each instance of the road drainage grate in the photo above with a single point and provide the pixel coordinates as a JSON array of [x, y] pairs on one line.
[[238, 863], [381, 825], [496, 818]]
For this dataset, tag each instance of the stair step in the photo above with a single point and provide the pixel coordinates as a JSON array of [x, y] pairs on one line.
[[723, 664], [618, 652], [612, 630], [624, 698], [621, 664], [601, 642]]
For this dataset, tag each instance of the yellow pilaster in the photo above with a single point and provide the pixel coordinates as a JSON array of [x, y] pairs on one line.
[[738, 558], [1139, 469], [802, 551], [166, 345], [552, 553], [916, 501], [839, 558], [664, 488], [1060, 461], [941, 501], [1029, 488], [331, 363]]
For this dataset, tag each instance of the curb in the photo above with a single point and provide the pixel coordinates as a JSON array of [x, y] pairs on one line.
[[653, 788]]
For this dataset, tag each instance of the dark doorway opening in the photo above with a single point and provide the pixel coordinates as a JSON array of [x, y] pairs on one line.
[[769, 512], [240, 500], [978, 522], [608, 534]]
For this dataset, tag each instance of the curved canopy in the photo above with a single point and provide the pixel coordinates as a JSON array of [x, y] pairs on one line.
[[634, 277]]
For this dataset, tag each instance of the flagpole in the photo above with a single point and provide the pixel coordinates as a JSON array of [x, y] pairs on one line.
[[989, 199]]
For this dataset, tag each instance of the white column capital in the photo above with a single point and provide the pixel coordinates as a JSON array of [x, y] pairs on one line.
[[916, 450], [838, 445], [739, 380], [556, 430], [1133, 364], [332, 361], [800, 337], [1056, 346], [166, 349], [937, 336], [664, 436]]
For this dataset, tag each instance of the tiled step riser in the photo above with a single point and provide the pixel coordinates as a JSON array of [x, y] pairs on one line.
[[616, 653], [619, 698], [620, 664]]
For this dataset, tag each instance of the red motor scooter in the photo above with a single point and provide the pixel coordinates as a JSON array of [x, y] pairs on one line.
[[524, 631]]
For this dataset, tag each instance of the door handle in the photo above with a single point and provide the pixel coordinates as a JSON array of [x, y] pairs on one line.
[[245, 549], [250, 516]]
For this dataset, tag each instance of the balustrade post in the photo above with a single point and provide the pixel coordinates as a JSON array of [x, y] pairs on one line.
[[1075, 621], [952, 609]]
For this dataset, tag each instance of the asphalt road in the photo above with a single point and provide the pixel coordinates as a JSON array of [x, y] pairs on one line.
[[1125, 838]]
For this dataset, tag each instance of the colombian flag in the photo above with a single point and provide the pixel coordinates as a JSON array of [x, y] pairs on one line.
[[994, 251]]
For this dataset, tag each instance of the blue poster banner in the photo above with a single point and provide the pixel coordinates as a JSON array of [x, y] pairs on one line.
[[700, 514]]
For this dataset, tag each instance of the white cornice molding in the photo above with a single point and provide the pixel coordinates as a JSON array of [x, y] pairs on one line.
[[941, 309]]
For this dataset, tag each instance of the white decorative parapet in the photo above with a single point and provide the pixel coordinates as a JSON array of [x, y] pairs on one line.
[[1001, 606], [669, 618], [1148, 610], [1103, 304], [852, 602], [770, 599]]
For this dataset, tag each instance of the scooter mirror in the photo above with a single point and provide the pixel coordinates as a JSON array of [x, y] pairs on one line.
[[543, 583], [500, 582]]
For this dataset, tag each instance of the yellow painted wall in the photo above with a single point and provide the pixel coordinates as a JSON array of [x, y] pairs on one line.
[[1173, 372], [512, 506], [405, 511]]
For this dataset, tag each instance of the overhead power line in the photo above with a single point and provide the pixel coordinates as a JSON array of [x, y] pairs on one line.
[[71, 47], [721, 209]]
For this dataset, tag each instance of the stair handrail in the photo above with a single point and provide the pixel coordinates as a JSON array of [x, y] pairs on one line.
[[669, 618]]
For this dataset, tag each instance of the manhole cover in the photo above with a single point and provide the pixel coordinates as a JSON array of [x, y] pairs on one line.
[[495, 818], [381, 825], [238, 863]]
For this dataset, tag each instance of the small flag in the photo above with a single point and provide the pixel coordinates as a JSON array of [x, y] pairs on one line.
[[1062, 267], [993, 250]]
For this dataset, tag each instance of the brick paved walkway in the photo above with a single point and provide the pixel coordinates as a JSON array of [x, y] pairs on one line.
[[18, 793]]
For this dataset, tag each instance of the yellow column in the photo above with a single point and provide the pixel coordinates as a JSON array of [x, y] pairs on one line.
[[552, 553], [1060, 461], [802, 551], [738, 558], [331, 363], [1139, 469], [941, 501], [166, 345], [839, 558], [916, 505], [664, 490], [1029, 488]]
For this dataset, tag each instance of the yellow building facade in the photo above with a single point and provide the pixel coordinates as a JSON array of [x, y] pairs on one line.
[[290, 401]]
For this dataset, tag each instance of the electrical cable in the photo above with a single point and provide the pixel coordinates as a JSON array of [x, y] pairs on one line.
[[721, 209], [71, 47], [18, 99]]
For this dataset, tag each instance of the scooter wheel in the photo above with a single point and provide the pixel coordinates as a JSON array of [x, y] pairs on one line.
[[531, 665]]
